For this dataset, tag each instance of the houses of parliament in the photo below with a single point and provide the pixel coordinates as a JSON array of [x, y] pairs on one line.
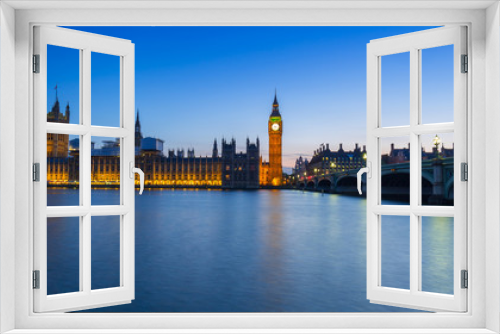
[[226, 168]]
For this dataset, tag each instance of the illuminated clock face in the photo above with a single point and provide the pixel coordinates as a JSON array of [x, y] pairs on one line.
[[275, 127]]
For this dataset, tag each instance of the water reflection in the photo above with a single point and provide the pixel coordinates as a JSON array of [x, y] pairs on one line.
[[273, 257], [63, 246], [251, 251], [437, 254], [395, 251]]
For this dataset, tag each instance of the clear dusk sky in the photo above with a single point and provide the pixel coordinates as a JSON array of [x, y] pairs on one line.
[[195, 84]]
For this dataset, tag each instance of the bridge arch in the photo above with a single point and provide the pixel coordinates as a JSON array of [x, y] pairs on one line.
[[325, 184], [302, 185], [346, 184], [396, 179], [396, 185], [347, 181], [310, 185]]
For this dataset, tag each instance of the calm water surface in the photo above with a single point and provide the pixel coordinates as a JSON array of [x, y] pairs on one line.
[[246, 251]]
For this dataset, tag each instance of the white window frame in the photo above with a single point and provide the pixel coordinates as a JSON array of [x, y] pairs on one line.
[[482, 19], [85, 44], [414, 43]]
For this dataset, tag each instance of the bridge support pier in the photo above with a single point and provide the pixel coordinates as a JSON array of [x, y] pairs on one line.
[[437, 197]]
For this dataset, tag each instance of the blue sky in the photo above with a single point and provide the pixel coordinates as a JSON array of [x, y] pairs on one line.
[[194, 84]]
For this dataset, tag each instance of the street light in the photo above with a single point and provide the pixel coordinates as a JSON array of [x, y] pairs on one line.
[[436, 141]]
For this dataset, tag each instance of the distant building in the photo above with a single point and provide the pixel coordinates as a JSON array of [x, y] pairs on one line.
[[178, 169], [59, 164], [396, 155], [107, 148], [300, 166], [326, 161], [57, 144], [401, 155], [264, 173], [240, 170], [228, 169], [152, 144]]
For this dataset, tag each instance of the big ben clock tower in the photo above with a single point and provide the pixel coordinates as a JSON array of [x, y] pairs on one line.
[[275, 130]]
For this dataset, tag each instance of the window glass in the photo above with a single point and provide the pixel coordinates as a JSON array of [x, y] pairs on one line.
[[395, 170], [437, 84], [63, 169], [63, 85], [105, 170], [438, 166], [105, 252], [63, 255], [395, 252], [437, 254], [105, 90], [395, 89]]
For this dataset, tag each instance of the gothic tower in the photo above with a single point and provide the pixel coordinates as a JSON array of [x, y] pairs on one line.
[[215, 151], [58, 144], [275, 130], [138, 133]]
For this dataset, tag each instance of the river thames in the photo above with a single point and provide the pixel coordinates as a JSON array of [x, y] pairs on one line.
[[246, 251]]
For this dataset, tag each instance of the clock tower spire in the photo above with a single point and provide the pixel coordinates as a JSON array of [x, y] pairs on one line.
[[275, 131], [138, 133]]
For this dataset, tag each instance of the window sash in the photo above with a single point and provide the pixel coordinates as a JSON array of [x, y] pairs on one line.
[[413, 43], [86, 297]]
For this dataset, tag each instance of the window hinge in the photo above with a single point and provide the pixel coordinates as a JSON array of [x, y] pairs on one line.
[[36, 172], [465, 64], [464, 169], [36, 279], [465, 279], [36, 63]]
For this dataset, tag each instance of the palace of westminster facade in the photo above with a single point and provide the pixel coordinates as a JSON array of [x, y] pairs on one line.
[[176, 169]]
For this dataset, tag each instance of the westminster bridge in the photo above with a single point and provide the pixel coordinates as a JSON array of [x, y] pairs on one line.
[[437, 181]]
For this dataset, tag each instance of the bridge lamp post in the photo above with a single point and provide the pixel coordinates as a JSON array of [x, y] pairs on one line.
[[436, 141]]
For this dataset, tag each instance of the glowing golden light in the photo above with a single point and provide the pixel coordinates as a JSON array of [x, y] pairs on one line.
[[436, 141]]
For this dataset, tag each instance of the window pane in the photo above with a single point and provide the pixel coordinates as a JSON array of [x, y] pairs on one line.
[[63, 85], [105, 168], [63, 169], [105, 252], [437, 169], [437, 254], [105, 90], [395, 252], [437, 84], [395, 170], [63, 255], [395, 90]]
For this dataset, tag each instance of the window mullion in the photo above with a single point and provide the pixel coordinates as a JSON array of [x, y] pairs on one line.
[[85, 172], [414, 169]]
